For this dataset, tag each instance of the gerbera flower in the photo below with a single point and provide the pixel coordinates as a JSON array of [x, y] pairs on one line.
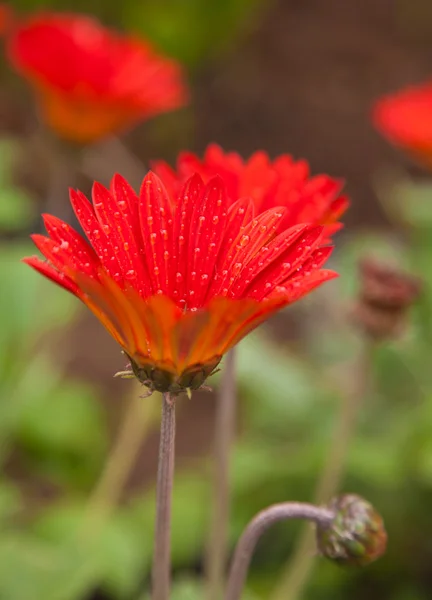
[[90, 81], [405, 119], [282, 182], [177, 284]]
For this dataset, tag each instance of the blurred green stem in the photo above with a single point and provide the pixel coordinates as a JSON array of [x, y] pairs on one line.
[[257, 527], [161, 574], [299, 567], [224, 432], [106, 494]]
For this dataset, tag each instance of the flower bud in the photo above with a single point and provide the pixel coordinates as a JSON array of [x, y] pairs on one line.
[[385, 296], [356, 536]]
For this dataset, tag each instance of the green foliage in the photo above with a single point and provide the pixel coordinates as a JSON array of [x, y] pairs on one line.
[[16, 210]]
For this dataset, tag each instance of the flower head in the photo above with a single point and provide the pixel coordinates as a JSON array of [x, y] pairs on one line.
[[178, 284], [282, 182], [90, 81], [405, 119]]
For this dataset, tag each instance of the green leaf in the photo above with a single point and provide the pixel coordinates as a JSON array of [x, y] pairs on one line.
[[115, 553], [64, 432]]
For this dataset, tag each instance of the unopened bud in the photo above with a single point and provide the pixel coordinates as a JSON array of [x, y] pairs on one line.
[[385, 296], [356, 536]]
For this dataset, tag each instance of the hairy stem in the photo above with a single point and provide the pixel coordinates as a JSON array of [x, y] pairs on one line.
[[259, 524], [161, 574], [224, 433], [299, 567]]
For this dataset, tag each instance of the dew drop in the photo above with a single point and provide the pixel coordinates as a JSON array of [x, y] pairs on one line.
[[286, 265], [263, 228], [156, 270], [126, 246], [64, 245], [215, 220], [179, 277], [241, 211], [204, 277], [245, 239]]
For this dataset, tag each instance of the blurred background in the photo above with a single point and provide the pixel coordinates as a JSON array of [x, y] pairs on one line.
[[285, 76]]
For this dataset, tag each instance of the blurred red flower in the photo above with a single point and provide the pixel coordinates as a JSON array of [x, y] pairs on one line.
[[405, 119], [90, 81], [282, 182], [178, 284]]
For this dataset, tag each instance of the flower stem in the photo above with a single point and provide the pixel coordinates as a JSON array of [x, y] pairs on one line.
[[259, 524], [224, 433], [161, 575], [299, 567]]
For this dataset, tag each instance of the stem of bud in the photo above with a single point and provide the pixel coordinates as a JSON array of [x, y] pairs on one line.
[[259, 524]]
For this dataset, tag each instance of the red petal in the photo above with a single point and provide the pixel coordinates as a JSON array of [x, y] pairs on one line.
[[255, 235], [95, 233], [286, 265], [265, 257], [50, 273], [157, 229], [69, 240], [188, 198], [207, 227], [63, 259], [124, 206]]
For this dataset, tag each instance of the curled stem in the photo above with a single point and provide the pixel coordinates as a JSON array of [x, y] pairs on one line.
[[300, 565], [224, 433], [259, 524], [161, 574]]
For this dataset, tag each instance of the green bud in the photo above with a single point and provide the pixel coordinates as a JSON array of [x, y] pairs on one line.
[[356, 536]]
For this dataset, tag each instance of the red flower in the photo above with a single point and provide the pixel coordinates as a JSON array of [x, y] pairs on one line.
[[178, 285], [90, 81], [405, 119], [283, 182]]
